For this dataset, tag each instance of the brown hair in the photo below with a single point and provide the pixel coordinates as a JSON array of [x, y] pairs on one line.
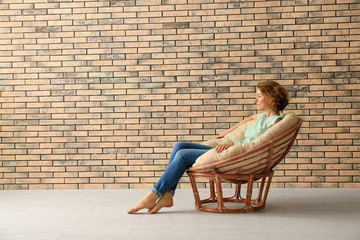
[[277, 94]]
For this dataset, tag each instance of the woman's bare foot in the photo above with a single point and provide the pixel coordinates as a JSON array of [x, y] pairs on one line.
[[148, 201], [165, 201]]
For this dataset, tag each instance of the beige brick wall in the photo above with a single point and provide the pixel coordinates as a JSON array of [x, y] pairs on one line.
[[95, 93]]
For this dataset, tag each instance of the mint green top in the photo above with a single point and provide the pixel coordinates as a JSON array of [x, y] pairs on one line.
[[261, 124]]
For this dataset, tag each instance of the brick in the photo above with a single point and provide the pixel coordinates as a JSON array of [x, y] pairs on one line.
[[98, 97]]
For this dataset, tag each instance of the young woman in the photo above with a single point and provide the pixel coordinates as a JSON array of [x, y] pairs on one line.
[[271, 98]]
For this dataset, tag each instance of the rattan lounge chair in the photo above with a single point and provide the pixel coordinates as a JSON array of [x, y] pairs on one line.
[[246, 168]]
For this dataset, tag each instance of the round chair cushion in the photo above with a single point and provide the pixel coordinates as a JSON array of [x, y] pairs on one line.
[[211, 157]]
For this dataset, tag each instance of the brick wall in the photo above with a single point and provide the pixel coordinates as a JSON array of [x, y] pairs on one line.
[[95, 93]]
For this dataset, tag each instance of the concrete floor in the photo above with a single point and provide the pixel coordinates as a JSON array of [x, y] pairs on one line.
[[290, 214]]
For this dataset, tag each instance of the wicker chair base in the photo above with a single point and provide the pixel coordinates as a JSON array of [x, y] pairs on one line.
[[248, 203]]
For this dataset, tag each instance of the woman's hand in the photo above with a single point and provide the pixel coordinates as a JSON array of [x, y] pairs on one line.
[[222, 147]]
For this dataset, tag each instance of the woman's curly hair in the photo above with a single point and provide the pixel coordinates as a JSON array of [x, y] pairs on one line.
[[277, 94]]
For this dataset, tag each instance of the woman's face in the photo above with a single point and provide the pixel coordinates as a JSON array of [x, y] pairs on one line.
[[262, 101]]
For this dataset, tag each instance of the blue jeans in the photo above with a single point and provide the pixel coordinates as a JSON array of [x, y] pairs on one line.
[[183, 155]]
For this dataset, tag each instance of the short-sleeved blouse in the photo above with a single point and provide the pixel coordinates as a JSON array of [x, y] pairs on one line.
[[261, 124]]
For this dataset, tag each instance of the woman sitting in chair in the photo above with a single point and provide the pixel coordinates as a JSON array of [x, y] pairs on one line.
[[271, 97]]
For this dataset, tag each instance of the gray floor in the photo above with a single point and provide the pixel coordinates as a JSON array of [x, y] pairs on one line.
[[291, 214]]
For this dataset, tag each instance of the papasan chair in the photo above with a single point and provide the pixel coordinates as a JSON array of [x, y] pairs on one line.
[[241, 165]]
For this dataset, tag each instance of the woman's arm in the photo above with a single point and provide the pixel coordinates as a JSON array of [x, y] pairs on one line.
[[222, 134]]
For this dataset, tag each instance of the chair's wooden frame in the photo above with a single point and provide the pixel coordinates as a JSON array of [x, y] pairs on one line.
[[216, 177]]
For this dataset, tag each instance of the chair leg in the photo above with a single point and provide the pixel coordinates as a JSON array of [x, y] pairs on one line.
[[261, 190], [219, 192], [268, 187], [263, 193], [195, 192], [237, 192], [249, 193], [212, 190]]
